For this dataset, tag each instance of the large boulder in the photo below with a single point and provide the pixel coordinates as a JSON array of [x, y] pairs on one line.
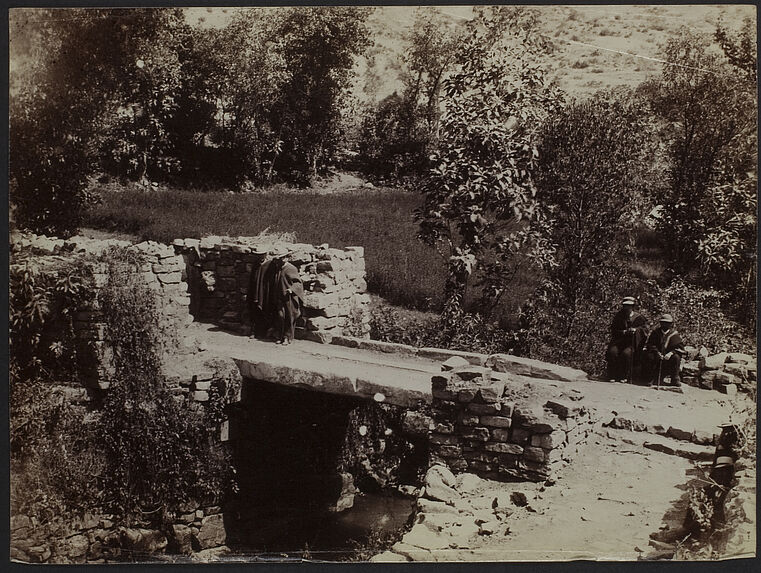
[[440, 484], [211, 533]]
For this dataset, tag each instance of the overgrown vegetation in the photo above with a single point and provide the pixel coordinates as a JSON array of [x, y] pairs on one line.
[[143, 451], [158, 450], [50, 443]]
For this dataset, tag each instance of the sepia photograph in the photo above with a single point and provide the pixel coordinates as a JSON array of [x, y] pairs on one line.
[[383, 284]]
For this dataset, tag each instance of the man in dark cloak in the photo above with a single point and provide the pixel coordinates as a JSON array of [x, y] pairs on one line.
[[262, 299], [664, 352], [290, 299], [628, 333]]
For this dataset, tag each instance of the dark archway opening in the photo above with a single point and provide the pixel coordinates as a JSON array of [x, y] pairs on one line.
[[318, 474]]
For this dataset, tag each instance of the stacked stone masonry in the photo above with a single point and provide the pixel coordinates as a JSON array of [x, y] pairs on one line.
[[219, 270], [208, 280], [479, 429], [726, 372], [96, 538]]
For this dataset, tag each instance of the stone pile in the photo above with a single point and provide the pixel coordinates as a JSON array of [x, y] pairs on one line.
[[726, 372], [480, 429], [219, 271]]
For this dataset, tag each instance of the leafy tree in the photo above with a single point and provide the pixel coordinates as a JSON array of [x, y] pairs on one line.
[[388, 144], [740, 48], [597, 160], [99, 85], [433, 44], [479, 200], [317, 46], [596, 163], [705, 109], [709, 110]]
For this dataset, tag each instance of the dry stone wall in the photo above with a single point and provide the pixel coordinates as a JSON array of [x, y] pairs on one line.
[[726, 372], [97, 538], [479, 428], [219, 269]]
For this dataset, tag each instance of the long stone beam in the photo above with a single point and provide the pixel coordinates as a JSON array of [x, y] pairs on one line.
[[399, 386]]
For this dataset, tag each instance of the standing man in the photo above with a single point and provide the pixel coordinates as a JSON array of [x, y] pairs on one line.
[[290, 292], [262, 300], [664, 351], [628, 332]]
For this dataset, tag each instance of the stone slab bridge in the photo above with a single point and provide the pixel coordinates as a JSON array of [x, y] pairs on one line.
[[498, 416]]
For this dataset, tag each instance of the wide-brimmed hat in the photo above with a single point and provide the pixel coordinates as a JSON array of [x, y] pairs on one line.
[[279, 252], [666, 318], [628, 300]]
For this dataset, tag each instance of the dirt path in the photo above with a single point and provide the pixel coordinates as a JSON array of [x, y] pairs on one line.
[[604, 506]]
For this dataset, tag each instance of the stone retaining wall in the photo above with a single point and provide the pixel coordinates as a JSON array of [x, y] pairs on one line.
[[478, 428], [208, 280], [96, 538], [219, 269]]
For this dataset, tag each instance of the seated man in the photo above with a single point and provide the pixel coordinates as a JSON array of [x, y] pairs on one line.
[[628, 333], [664, 352]]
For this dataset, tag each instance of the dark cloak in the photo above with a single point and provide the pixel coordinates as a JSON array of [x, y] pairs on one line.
[[288, 278]]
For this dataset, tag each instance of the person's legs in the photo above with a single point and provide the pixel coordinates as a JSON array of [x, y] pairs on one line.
[[281, 324], [671, 368], [650, 366], [625, 362], [289, 320], [612, 357]]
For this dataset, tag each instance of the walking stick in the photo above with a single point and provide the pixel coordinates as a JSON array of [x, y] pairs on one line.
[[660, 364]]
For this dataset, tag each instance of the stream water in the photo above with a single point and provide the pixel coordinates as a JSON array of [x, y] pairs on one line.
[[348, 535]]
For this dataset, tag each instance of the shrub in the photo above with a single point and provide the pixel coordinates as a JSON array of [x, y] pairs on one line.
[[699, 317], [55, 460], [471, 331], [158, 453], [42, 305]]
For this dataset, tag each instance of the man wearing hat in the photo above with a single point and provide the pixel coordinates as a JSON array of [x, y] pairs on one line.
[[289, 291], [664, 351], [628, 333]]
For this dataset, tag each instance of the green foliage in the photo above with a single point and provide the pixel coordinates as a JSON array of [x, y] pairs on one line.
[[158, 452], [393, 142], [593, 170], [739, 48], [52, 458], [709, 114], [472, 332], [479, 199], [42, 305], [55, 462], [317, 46], [700, 318]]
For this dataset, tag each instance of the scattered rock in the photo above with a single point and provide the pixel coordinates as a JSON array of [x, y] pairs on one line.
[[519, 499], [432, 507], [467, 482], [439, 484]]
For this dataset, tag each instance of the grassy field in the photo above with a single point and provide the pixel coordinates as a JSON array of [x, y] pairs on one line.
[[399, 267]]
